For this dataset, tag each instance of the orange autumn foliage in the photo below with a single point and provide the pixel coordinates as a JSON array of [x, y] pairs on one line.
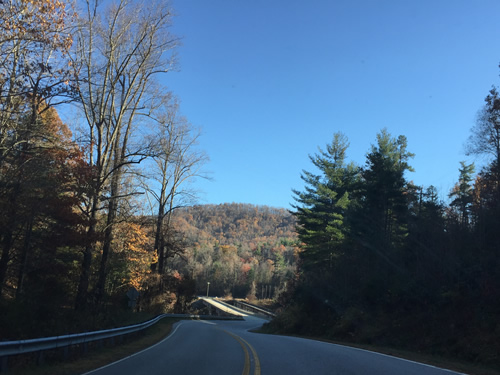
[[38, 20], [135, 245]]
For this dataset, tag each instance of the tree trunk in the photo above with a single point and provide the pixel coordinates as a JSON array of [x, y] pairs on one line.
[[4, 260], [159, 239], [108, 237], [24, 257], [8, 239], [162, 257], [83, 285]]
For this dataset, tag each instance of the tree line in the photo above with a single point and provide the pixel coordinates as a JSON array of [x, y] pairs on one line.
[[385, 261], [86, 213]]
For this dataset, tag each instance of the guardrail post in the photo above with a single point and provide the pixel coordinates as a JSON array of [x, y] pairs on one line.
[[40, 358], [66, 352], [4, 361]]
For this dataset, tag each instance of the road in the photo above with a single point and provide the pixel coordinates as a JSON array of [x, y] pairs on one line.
[[226, 347]]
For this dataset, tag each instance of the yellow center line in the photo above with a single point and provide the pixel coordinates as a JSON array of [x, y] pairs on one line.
[[255, 357], [246, 367]]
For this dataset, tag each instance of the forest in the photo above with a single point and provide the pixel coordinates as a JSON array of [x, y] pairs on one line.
[[99, 209], [242, 250], [86, 203], [385, 262]]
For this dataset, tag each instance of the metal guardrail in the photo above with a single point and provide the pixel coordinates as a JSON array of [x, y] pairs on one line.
[[10, 348], [253, 308]]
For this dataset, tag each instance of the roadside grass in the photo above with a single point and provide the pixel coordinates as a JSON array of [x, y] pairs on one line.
[[97, 356], [437, 361], [367, 336]]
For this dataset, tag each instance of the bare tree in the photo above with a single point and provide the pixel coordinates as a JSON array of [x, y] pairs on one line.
[[176, 163], [485, 137], [119, 52]]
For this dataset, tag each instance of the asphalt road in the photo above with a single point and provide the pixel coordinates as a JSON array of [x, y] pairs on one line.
[[226, 347]]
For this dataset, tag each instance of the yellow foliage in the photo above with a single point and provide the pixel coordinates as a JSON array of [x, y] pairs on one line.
[[134, 241], [228, 249], [41, 20]]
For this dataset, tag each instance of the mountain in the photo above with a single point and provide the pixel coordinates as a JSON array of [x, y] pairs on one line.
[[240, 249]]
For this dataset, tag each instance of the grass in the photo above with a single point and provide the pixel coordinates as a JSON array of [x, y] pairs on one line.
[[97, 357], [437, 361], [446, 363]]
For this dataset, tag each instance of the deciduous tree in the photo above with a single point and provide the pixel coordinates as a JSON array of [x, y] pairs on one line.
[[176, 163], [40, 194], [485, 137], [120, 50]]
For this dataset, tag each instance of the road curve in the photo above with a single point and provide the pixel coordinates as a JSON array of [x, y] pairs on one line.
[[227, 347]]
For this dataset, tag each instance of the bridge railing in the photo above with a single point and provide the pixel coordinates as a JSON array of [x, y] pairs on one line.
[[252, 308]]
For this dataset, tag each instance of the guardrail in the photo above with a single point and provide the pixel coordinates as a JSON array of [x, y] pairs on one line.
[[10, 348], [252, 308]]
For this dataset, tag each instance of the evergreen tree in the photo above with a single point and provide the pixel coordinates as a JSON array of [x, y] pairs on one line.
[[385, 192], [380, 222], [325, 287], [425, 258], [322, 206], [462, 194]]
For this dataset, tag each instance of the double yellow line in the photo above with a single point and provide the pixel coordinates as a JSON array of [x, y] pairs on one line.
[[244, 344]]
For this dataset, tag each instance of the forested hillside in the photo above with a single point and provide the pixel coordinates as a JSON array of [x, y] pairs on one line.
[[241, 250], [386, 262]]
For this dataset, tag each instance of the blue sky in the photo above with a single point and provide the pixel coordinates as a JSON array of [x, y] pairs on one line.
[[269, 82]]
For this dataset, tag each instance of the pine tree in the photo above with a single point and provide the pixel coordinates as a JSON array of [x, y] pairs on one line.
[[385, 198], [462, 193], [380, 220], [322, 206]]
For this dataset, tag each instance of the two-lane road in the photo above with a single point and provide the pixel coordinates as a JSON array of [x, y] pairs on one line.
[[226, 347]]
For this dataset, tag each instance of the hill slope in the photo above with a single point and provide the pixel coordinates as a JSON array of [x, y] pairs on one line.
[[241, 249]]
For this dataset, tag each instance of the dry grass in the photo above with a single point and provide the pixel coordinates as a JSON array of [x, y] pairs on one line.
[[446, 363]]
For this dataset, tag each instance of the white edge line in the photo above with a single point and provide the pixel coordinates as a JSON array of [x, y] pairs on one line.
[[401, 359], [368, 351], [206, 322], [133, 355]]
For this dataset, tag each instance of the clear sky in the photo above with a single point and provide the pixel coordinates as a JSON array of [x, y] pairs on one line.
[[270, 81]]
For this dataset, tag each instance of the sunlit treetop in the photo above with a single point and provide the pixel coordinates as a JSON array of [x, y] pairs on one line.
[[39, 21]]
